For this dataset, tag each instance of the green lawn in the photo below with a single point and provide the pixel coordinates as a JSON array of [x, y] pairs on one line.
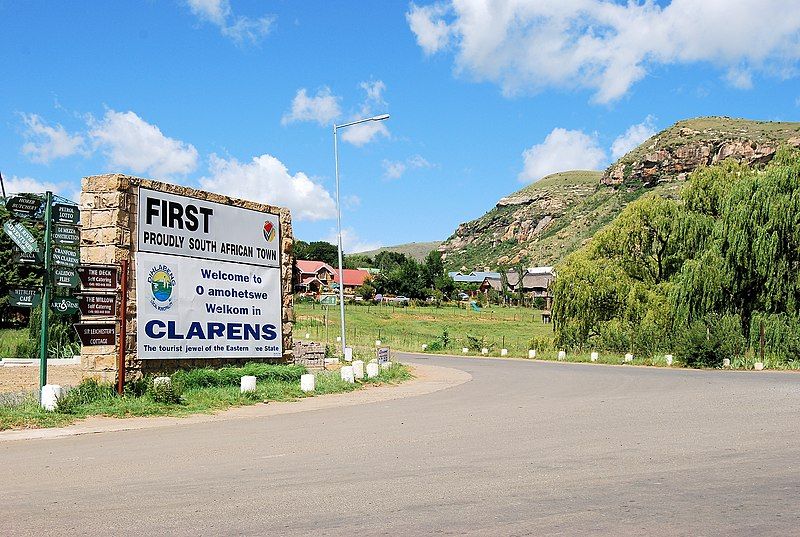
[[408, 328]]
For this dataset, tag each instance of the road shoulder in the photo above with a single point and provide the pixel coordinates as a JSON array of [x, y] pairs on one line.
[[428, 379]]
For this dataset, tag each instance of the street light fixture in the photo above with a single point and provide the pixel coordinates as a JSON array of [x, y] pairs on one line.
[[339, 217]]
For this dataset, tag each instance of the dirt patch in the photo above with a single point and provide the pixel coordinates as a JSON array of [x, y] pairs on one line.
[[26, 378]]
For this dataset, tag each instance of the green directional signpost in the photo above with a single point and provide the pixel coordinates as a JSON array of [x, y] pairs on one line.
[[60, 258], [24, 298], [23, 238], [24, 206]]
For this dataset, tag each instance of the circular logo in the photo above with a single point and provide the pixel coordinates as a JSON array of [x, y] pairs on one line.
[[269, 231], [162, 283]]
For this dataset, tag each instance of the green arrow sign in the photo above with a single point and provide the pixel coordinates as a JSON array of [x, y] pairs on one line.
[[66, 214], [65, 257], [21, 236], [24, 206], [29, 258], [65, 277], [66, 234], [24, 298], [65, 305], [329, 300]]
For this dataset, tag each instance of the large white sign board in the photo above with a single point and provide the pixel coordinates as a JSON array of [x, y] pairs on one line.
[[208, 280]]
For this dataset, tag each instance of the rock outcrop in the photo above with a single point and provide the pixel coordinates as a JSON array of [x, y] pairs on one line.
[[547, 220], [674, 153]]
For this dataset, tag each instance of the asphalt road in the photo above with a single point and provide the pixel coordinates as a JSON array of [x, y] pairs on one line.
[[523, 449]]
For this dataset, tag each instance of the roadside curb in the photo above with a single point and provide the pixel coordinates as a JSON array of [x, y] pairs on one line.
[[428, 379], [414, 354]]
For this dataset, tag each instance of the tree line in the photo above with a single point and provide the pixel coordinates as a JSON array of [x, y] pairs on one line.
[[699, 276]]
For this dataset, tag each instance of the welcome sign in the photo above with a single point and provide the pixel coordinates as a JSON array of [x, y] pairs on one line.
[[208, 282]]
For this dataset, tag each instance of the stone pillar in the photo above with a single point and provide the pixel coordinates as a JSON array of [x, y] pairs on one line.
[[109, 208]]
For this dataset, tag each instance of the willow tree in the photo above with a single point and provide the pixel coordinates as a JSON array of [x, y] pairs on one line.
[[643, 240], [759, 238]]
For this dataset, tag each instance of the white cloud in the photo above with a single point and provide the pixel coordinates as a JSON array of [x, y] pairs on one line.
[[561, 150], [130, 142], [607, 46], [266, 179], [739, 78], [351, 242], [635, 135], [238, 28], [431, 31], [364, 133], [394, 169], [46, 143], [322, 107], [16, 185], [351, 201], [418, 161]]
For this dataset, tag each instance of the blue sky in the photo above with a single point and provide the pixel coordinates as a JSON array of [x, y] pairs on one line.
[[239, 97]]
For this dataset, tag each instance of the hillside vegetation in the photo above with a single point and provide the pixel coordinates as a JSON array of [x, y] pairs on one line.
[[415, 250], [700, 276], [546, 221]]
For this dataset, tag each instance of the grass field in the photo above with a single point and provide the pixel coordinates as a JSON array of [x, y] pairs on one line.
[[9, 339], [201, 391], [407, 329]]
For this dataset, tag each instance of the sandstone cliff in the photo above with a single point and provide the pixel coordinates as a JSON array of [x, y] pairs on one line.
[[553, 217]]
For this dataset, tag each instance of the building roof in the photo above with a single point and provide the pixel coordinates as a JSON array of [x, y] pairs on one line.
[[352, 277], [540, 277], [312, 267], [473, 277]]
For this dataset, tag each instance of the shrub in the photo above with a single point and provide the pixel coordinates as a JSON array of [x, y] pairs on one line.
[[705, 343], [781, 335], [231, 376], [474, 343], [87, 392], [434, 346], [164, 392], [540, 344]]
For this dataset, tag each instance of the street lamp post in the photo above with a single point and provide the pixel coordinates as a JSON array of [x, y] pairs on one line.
[[339, 218]]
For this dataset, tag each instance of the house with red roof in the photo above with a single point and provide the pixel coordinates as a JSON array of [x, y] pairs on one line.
[[312, 277], [353, 278]]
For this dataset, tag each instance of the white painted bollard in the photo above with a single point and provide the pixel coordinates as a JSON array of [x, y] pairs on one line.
[[629, 357], [377, 342], [668, 359], [248, 384], [726, 362], [308, 336], [464, 350], [347, 374], [386, 365], [424, 346], [51, 393], [484, 351], [594, 356], [158, 381], [348, 354], [562, 355], [308, 382], [372, 370], [358, 369], [759, 366], [532, 354], [503, 352]]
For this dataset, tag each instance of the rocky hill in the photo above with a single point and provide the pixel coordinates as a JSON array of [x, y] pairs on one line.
[[545, 221]]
